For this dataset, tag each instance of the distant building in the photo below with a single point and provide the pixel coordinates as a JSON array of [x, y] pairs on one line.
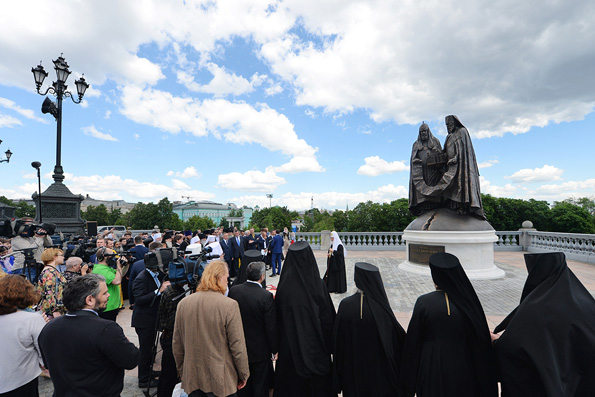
[[109, 204], [215, 211]]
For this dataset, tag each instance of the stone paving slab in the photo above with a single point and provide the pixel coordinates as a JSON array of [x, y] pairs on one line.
[[498, 297]]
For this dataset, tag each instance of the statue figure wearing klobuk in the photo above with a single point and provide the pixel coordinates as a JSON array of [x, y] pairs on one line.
[[446, 178]]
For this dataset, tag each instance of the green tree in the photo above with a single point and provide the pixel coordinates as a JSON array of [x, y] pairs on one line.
[[273, 218], [25, 210], [22, 209], [570, 218], [360, 218], [223, 222], [199, 222], [97, 213], [340, 221]]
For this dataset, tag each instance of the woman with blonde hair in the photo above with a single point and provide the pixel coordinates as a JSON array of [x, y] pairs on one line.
[[51, 283], [208, 340]]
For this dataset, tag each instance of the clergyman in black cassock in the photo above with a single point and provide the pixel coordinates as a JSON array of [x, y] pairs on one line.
[[448, 349], [548, 348], [368, 340], [305, 319], [336, 277]]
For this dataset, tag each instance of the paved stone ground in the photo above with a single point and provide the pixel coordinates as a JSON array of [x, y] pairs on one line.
[[498, 297]]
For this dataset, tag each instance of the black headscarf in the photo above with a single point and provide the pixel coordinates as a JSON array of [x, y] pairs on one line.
[[449, 276], [392, 335], [550, 336], [249, 257], [306, 312]]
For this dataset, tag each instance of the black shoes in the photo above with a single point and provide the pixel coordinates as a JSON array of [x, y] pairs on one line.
[[272, 275]]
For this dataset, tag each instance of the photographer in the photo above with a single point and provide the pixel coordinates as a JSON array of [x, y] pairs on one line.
[[110, 268], [29, 237], [74, 268]]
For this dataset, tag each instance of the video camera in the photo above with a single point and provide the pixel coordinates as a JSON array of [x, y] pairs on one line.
[[24, 227], [196, 252]]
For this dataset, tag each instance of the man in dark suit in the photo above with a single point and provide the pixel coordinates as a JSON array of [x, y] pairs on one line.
[[276, 251], [250, 240], [86, 353], [264, 243], [260, 329], [147, 290], [237, 252], [139, 248], [227, 250], [136, 268]]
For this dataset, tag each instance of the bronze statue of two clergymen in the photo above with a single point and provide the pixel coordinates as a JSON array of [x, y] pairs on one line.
[[445, 178]]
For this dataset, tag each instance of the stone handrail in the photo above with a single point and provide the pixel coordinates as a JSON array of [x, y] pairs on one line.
[[576, 246], [508, 241]]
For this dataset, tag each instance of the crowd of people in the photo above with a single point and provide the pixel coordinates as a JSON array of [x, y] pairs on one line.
[[228, 335]]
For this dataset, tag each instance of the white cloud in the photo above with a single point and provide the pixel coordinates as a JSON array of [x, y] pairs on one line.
[[189, 172], [223, 83], [375, 166], [28, 113], [326, 200], [8, 121], [136, 136], [544, 174], [497, 191], [92, 131], [254, 181], [114, 187], [108, 113], [358, 57], [571, 188], [236, 122], [487, 164], [353, 55], [273, 89]]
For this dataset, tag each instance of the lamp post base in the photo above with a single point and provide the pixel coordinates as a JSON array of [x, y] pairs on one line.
[[62, 208]]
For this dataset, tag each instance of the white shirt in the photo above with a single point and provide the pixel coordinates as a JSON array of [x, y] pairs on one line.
[[19, 331]]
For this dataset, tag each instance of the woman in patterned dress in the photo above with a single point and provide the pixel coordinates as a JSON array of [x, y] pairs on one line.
[[51, 283]]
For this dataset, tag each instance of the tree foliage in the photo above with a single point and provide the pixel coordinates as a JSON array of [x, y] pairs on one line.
[[22, 209], [199, 222], [146, 216], [273, 218]]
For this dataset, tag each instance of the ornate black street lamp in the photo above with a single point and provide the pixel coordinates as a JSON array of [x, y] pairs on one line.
[[37, 166], [58, 88], [8, 154]]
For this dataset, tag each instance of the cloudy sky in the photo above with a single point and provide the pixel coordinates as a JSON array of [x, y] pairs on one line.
[[231, 100]]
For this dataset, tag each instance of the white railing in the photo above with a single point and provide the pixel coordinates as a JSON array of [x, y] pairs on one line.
[[508, 241], [576, 246], [377, 241], [313, 238]]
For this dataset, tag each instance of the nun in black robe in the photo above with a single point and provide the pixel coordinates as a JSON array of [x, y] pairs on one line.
[[336, 275], [305, 319], [548, 348], [368, 340], [448, 349], [249, 257]]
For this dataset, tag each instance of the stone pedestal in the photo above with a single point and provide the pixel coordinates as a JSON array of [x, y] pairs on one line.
[[468, 238], [62, 208]]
